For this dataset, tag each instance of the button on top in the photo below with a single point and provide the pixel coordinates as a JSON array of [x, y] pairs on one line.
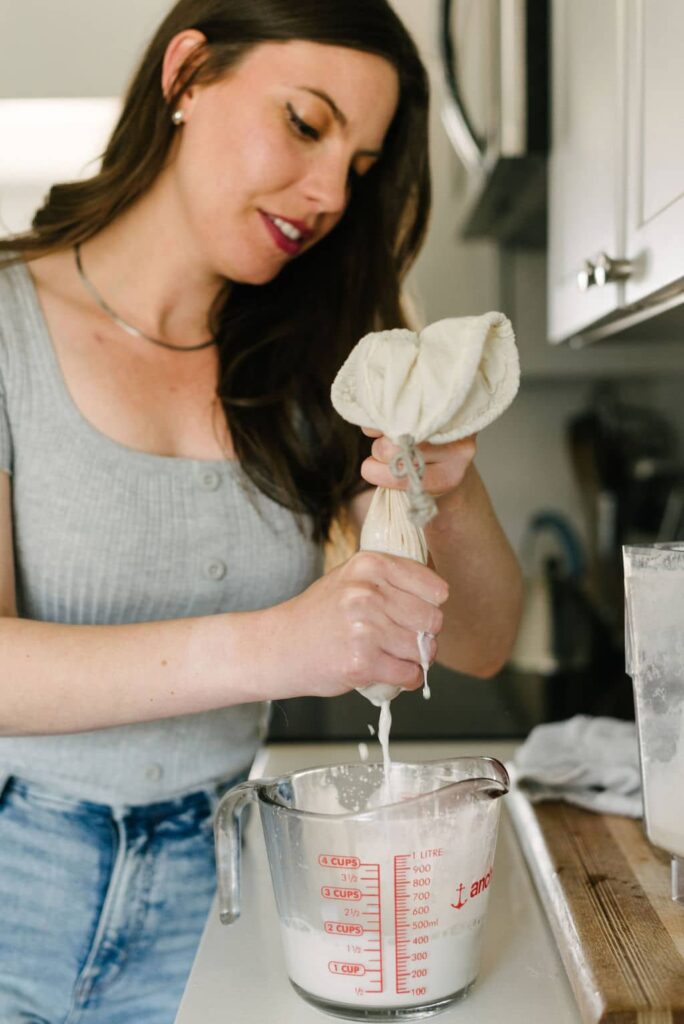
[[154, 772], [215, 569], [210, 479]]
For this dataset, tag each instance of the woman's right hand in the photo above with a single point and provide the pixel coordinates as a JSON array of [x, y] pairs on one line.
[[358, 624]]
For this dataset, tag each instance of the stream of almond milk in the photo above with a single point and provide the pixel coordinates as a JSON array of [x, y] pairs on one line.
[[385, 723]]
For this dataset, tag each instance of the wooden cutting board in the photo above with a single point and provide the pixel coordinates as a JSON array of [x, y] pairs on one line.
[[606, 891]]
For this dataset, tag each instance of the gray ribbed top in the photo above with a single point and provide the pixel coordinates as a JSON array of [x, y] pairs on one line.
[[107, 534]]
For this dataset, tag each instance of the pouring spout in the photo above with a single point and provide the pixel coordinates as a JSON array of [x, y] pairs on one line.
[[495, 791], [497, 781], [489, 789]]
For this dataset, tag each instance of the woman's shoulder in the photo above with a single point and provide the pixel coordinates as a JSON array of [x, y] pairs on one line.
[[12, 267], [11, 290], [14, 281], [17, 314]]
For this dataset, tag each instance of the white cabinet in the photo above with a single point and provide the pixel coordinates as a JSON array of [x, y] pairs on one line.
[[655, 183], [617, 169], [586, 169]]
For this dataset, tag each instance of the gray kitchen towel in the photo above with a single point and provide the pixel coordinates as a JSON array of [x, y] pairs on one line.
[[591, 762]]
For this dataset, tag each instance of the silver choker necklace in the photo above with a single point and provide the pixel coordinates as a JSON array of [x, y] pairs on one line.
[[122, 323]]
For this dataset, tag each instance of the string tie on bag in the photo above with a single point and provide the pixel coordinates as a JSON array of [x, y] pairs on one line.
[[409, 463]]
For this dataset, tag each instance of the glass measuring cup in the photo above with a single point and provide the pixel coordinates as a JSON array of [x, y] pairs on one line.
[[654, 640], [381, 885]]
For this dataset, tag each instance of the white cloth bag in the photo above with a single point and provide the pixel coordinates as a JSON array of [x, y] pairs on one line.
[[439, 385]]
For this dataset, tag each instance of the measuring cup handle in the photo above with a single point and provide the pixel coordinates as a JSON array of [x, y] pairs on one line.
[[227, 842]]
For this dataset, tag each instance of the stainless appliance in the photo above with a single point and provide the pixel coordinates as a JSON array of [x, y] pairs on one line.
[[495, 55]]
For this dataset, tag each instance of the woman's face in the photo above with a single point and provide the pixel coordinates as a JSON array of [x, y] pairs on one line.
[[265, 162]]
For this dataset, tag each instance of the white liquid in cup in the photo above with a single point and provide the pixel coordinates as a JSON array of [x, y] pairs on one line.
[[664, 799], [411, 933], [454, 963]]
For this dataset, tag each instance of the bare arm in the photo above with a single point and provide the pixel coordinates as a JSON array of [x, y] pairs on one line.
[[469, 549], [341, 632], [58, 678]]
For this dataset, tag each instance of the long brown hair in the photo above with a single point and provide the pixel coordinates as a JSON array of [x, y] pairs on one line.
[[280, 343]]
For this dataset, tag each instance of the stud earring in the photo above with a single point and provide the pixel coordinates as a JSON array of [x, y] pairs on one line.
[[178, 117]]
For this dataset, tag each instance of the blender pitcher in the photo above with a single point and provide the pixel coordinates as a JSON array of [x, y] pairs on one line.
[[381, 884], [654, 641]]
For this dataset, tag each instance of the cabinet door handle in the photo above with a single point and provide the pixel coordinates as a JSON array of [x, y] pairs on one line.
[[586, 277], [608, 270]]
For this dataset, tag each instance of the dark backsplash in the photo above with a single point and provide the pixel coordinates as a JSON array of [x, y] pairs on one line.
[[462, 707]]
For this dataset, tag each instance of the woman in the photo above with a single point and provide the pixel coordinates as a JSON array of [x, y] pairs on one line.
[[170, 467]]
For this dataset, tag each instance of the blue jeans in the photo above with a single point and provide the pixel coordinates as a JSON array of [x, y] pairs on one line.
[[101, 908]]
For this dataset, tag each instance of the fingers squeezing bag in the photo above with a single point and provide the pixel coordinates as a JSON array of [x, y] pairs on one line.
[[442, 384]]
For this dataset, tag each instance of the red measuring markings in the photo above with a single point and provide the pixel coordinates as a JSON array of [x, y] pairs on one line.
[[359, 905], [414, 919], [342, 928], [332, 860], [340, 967], [336, 892]]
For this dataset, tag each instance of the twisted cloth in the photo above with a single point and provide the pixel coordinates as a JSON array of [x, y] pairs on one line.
[[439, 385]]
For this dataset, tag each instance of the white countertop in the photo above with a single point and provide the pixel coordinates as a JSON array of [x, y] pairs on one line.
[[239, 972]]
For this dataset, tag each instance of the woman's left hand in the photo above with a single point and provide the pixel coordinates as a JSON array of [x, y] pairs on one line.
[[445, 464]]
